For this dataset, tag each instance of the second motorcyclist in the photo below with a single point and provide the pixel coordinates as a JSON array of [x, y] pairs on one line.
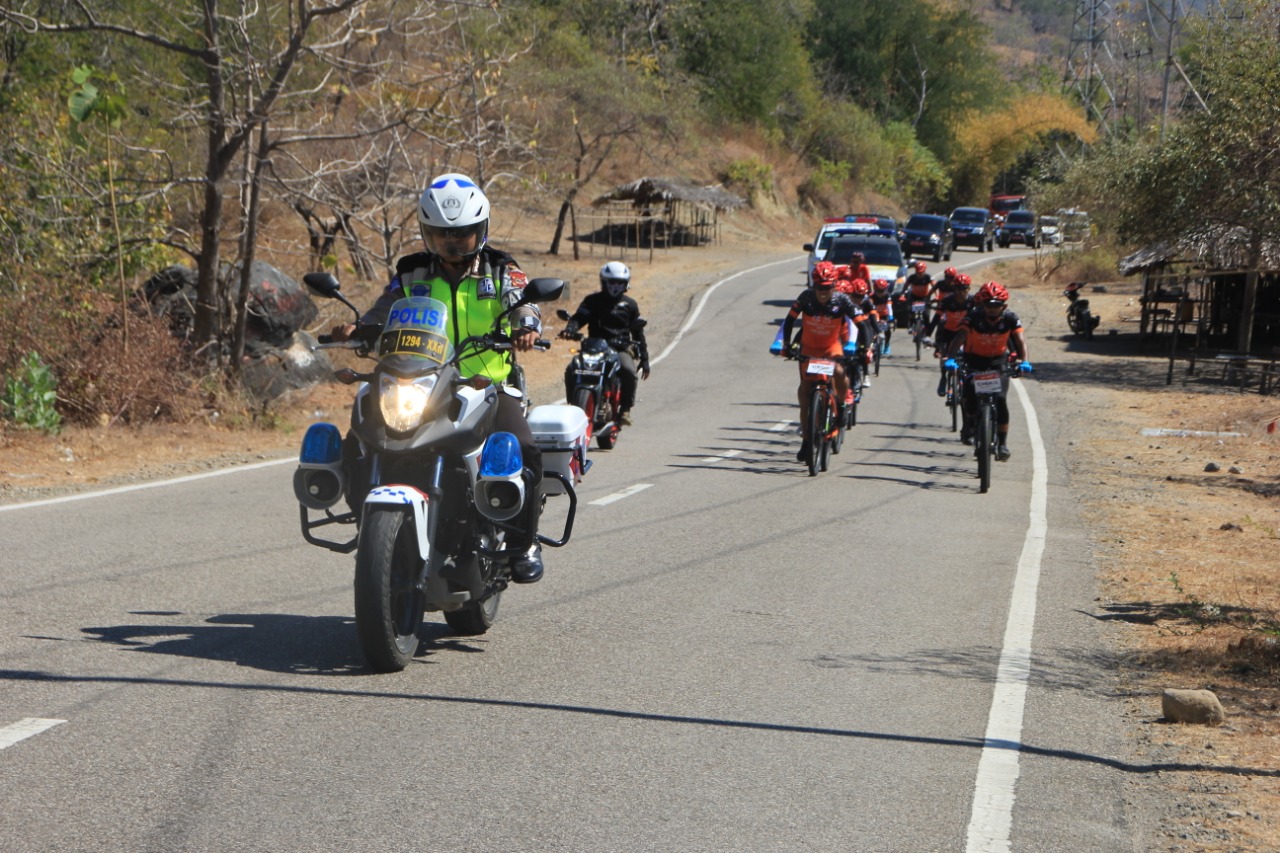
[[615, 317]]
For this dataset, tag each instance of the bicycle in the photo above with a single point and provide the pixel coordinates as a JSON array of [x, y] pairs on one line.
[[917, 325], [988, 387], [877, 345], [826, 427], [952, 389]]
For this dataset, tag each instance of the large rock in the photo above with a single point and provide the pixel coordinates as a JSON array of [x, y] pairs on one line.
[[278, 306], [1192, 706], [271, 371]]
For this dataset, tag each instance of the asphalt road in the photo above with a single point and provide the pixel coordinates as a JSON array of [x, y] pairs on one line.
[[729, 655]]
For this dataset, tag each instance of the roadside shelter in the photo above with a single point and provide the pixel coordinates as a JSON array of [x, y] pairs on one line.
[[666, 211], [1220, 285]]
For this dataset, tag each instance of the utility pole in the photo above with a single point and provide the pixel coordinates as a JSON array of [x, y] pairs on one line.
[[1090, 51], [1168, 66]]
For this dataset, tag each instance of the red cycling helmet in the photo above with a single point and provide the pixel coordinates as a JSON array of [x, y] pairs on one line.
[[963, 280], [824, 272], [950, 272], [992, 292], [921, 266], [860, 287], [880, 284]]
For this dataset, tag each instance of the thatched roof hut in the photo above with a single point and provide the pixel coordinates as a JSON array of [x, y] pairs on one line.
[[670, 211], [660, 192], [1208, 279]]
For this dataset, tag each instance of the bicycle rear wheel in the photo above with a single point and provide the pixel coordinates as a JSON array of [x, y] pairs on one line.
[[953, 398], [837, 427], [983, 444]]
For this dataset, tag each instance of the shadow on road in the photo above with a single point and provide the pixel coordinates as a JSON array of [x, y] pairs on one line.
[[987, 672]]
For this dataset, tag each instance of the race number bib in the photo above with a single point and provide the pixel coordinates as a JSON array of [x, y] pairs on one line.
[[820, 367], [987, 383]]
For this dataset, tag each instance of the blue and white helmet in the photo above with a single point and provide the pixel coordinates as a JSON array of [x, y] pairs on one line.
[[455, 205]]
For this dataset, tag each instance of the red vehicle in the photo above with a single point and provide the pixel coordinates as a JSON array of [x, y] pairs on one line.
[[1001, 205]]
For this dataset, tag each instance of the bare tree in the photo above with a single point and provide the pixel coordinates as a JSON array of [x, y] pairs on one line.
[[249, 56]]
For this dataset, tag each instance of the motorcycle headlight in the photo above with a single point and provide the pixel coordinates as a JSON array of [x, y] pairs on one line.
[[404, 402], [592, 360]]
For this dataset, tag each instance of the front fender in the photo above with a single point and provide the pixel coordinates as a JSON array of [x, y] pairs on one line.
[[405, 496]]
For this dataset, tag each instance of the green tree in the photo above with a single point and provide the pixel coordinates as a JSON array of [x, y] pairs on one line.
[[911, 61], [749, 58]]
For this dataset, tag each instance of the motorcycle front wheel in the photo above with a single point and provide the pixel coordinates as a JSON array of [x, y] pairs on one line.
[[388, 605]]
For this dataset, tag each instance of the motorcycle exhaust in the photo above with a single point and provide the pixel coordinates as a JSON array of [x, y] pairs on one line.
[[318, 482], [500, 487]]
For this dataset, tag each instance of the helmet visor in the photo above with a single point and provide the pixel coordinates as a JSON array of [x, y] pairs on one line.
[[614, 286], [461, 232]]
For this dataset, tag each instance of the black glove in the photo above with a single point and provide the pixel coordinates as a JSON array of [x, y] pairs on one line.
[[644, 369]]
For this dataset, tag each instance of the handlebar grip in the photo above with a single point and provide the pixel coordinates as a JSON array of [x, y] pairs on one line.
[[542, 344], [324, 339]]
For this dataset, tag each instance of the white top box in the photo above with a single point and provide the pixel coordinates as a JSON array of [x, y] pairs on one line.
[[558, 427]]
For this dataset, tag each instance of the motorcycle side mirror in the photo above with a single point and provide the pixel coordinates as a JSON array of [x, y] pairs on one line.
[[640, 323], [563, 314], [543, 290], [323, 284]]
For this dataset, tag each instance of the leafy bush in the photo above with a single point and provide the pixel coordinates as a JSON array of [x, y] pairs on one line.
[[752, 177], [29, 396]]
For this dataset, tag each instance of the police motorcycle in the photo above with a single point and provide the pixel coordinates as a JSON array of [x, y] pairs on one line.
[[597, 385], [436, 496]]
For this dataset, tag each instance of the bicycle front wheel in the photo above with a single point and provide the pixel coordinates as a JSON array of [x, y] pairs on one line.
[[817, 429], [984, 444]]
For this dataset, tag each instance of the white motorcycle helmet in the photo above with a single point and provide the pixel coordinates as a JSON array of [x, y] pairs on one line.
[[453, 205], [614, 278]]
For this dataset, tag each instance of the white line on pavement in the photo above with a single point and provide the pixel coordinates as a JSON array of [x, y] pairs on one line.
[[625, 493], [728, 454], [150, 485], [991, 820], [23, 729]]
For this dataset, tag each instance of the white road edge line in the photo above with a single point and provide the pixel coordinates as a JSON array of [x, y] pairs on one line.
[[23, 729], [991, 821], [82, 496], [625, 493], [158, 483]]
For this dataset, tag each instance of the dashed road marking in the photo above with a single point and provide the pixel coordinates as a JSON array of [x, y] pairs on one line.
[[625, 493], [23, 729], [728, 454]]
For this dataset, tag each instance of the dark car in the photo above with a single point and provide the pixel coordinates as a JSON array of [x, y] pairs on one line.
[[974, 226], [928, 235], [1021, 226]]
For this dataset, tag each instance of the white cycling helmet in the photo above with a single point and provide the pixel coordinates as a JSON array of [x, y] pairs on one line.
[[614, 278], [453, 204]]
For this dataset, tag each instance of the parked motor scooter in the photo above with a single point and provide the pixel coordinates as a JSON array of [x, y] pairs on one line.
[[1079, 318]]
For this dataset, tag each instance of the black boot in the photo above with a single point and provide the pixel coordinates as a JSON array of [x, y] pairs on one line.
[[527, 566]]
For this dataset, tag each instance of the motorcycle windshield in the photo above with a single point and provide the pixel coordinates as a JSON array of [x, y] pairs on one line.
[[415, 337]]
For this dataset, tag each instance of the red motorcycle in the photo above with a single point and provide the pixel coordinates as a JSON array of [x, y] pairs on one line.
[[596, 385]]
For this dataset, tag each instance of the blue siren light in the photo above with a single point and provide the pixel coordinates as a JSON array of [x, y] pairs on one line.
[[322, 445], [501, 456]]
